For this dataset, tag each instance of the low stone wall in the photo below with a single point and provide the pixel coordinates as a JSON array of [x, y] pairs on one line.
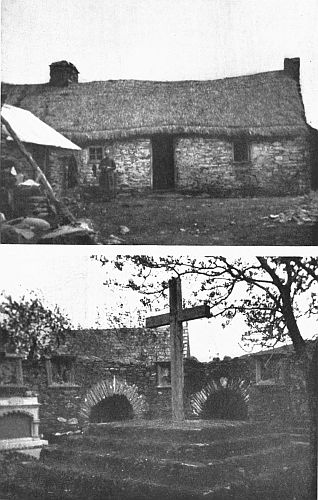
[[275, 167]]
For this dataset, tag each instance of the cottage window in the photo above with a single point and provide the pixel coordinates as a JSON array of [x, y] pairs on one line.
[[95, 153], [164, 374], [240, 152], [60, 371]]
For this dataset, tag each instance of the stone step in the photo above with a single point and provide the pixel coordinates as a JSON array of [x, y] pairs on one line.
[[188, 431], [208, 473], [42, 482], [176, 450]]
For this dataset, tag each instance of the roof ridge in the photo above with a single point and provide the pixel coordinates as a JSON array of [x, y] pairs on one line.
[[135, 80]]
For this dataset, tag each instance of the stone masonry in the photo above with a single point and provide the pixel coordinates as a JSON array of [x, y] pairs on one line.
[[132, 357], [52, 161], [133, 164], [275, 168]]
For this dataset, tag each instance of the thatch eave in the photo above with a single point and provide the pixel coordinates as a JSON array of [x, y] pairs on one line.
[[226, 132]]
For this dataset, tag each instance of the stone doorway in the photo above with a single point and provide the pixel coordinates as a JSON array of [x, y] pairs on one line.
[[163, 170], [113, 408], [113, 400], [222, 399], [224, 404]]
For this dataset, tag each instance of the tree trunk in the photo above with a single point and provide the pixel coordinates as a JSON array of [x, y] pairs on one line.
[[312, 390]]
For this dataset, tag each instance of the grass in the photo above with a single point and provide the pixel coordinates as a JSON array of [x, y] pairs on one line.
[[175, 219]]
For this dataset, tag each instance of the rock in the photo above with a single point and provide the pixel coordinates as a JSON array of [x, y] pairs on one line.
[[124, 229], [73, 421], [27, 234], [62, 420], [115, 240]]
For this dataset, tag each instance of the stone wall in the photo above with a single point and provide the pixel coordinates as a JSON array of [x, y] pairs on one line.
[[282, 401], [277, 167], [202, 164], [57, 170], [131, 356], [52, 161], [128, 354], [133, 164], [10, 152]]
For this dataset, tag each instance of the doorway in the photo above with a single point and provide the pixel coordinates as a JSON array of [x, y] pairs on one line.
[[163, 162], [225, 404], [116, 407]]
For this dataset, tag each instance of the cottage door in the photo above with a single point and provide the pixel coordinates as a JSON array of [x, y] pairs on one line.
[[163, 162]]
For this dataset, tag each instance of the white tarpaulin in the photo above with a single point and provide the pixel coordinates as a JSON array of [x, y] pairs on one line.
[[31, 129]]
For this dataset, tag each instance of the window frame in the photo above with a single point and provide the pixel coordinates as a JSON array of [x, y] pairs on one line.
[[49, 371], [248, 152], [94, 158], [17, 365], [277, 379], [160, 366]]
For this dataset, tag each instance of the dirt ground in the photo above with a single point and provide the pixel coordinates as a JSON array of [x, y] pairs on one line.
[[176, 219]]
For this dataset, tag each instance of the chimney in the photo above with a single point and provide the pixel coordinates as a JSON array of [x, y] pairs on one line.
[[291, 67], [62, 73]]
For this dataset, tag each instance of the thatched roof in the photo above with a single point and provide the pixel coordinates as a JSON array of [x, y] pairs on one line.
[[266, 105]]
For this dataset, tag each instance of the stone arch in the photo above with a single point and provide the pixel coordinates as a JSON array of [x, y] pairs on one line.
[[236, 387], [106, 389]]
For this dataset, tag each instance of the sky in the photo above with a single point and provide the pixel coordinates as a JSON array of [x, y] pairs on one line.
[[154, 40], [66, 276], [161, 39]]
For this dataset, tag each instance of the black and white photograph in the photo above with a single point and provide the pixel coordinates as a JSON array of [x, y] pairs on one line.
[[159, 122], [133, 376], [158, 250]]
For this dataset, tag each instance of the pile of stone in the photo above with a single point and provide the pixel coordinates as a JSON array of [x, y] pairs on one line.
[[29, 200], [306, 213]]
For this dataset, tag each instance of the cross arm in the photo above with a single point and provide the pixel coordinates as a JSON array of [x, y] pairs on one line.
[[195, 312]]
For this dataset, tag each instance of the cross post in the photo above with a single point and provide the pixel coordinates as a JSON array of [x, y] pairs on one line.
[[175, 318]]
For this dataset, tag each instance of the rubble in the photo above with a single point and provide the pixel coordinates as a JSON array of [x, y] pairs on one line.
[[306, 213]]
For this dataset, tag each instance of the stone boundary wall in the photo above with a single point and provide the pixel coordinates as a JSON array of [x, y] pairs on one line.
[[279, 167]]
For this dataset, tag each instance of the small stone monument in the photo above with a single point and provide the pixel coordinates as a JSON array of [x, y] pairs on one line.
[[19, 408]]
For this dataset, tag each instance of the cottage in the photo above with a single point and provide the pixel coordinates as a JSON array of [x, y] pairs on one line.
[[53, 152], [242, 135]]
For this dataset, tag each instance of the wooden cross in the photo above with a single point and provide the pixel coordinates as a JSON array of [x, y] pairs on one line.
[[175, 318]]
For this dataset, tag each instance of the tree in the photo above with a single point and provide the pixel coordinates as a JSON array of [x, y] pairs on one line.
[[30, 327], [273, 293], [270, 292]]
